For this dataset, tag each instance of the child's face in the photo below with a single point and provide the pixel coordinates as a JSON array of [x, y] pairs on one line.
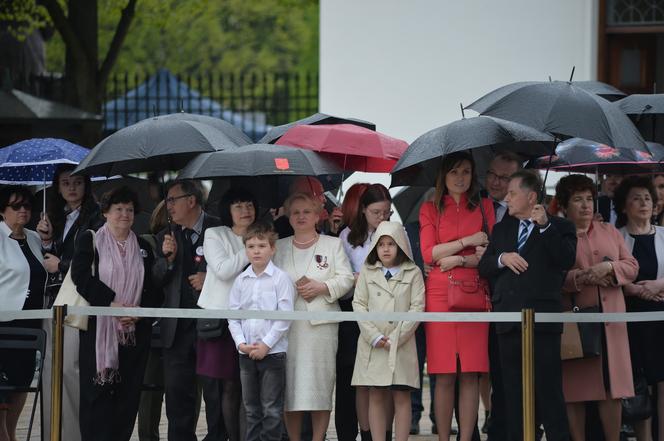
[[259, 251], [387, 251]]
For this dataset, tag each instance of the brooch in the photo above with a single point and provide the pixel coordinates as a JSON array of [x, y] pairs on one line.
[[144, 253], [321, 261]]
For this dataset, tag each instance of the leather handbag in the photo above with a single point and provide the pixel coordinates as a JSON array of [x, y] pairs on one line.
[[68, 295], [581, 340], [211, 328], [470, 295], [638, 407]]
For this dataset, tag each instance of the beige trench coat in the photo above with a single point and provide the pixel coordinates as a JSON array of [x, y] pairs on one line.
[[403, 293]]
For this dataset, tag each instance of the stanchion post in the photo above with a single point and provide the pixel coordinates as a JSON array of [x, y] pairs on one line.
[[59, 313], [528, 373]]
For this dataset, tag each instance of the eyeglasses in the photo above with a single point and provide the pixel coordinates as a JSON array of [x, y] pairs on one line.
[[503, 179], [18, 205], [381, 213], [171, 200]]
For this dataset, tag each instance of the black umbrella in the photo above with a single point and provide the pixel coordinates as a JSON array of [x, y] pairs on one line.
[[420, 162], [234, 133], [562, 109], [584, 156], [154, 144], [606, 91], [316, 119], [258, 160], [408, 201], [647, 113]]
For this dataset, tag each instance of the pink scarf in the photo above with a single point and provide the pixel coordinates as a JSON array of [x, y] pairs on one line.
[[124, 275]]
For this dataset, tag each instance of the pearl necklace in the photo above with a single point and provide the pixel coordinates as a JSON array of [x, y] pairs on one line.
[[306, 242]]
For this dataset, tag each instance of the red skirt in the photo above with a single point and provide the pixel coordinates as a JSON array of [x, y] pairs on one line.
[[447, 342]]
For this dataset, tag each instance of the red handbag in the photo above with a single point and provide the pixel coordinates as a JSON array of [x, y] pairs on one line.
[[471, 295]]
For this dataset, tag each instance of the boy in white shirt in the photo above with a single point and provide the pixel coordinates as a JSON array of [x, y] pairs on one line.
[[262, 343]]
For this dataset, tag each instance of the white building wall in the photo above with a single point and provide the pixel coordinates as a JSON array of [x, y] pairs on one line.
[[407, 64]]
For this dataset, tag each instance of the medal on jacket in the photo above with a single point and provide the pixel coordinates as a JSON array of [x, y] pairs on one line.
[[321, 261]]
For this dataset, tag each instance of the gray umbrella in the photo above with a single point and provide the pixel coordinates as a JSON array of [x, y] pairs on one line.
[[258, 160], [154, 144], [420, 162], [234, 133], [562, 109], [317, 118], [606, 91], [647, 113]]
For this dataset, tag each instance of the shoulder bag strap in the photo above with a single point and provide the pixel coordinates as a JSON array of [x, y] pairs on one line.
[[94, 252], [485, 226]]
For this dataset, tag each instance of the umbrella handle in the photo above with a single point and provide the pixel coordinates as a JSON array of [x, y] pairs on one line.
[[548, 166]]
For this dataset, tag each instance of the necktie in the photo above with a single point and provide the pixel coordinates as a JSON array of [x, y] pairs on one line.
[[496, 206], [190, 236], [388, 275], [523, 235]]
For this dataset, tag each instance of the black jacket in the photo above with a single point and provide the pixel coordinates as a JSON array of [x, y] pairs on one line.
[[549, 255], [170, 277], [96, 292]]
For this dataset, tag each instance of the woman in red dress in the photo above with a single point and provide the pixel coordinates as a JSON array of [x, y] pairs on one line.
[[451, 233]]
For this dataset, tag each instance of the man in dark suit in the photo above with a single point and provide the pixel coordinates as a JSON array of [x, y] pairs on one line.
[[181, 269], [526, 260], [497, 178]]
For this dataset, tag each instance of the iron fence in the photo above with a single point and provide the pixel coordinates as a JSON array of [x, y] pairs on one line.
[[254, 101]]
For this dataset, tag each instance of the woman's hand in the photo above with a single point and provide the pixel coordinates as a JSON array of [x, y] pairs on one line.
[[51, 263], [449, 262], [650, 289], [600, 274], [479, 252], [125, 321], [478, 239], [311, 289], [45, 229], [632, 289]]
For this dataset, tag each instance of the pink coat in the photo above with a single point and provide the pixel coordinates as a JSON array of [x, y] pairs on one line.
[[583, 380]]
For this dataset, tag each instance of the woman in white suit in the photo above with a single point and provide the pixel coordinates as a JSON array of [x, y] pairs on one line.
[[23, 279], [226, 258], [320, 270]]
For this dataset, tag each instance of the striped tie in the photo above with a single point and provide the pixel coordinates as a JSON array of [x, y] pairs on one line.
[[523, 234]]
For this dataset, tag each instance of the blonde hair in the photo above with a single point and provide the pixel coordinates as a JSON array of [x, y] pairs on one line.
[[315, 203]]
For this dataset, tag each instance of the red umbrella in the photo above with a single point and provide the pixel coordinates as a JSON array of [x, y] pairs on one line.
[[354, 148]]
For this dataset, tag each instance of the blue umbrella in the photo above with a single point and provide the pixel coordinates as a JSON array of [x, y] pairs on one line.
[[33, 161]]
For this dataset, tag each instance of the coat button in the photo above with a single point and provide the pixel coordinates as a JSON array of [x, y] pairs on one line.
[[595, 252], [390, 322], [378, 294]]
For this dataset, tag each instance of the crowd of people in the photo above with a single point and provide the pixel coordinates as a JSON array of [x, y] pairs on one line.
[[478, 246]]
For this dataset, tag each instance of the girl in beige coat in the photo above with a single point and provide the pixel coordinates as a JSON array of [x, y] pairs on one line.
[[386, 353]]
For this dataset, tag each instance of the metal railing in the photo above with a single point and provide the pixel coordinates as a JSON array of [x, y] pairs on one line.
[[526, 317]]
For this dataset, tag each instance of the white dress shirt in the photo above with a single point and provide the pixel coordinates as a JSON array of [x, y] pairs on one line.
[[272, 290], [69, 221]]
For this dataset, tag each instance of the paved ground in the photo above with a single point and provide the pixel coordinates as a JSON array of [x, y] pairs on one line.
[[425, 424]]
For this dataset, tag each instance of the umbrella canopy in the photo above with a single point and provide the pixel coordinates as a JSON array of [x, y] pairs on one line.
[[353, 148], [562, 109], [420, 163], [408, 201], [606, 91], [17, 105], [33, 161], [233, 133], [258, 160], [584, 156], [647, 113], [642, 104], [316, 119], [154, 144]]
